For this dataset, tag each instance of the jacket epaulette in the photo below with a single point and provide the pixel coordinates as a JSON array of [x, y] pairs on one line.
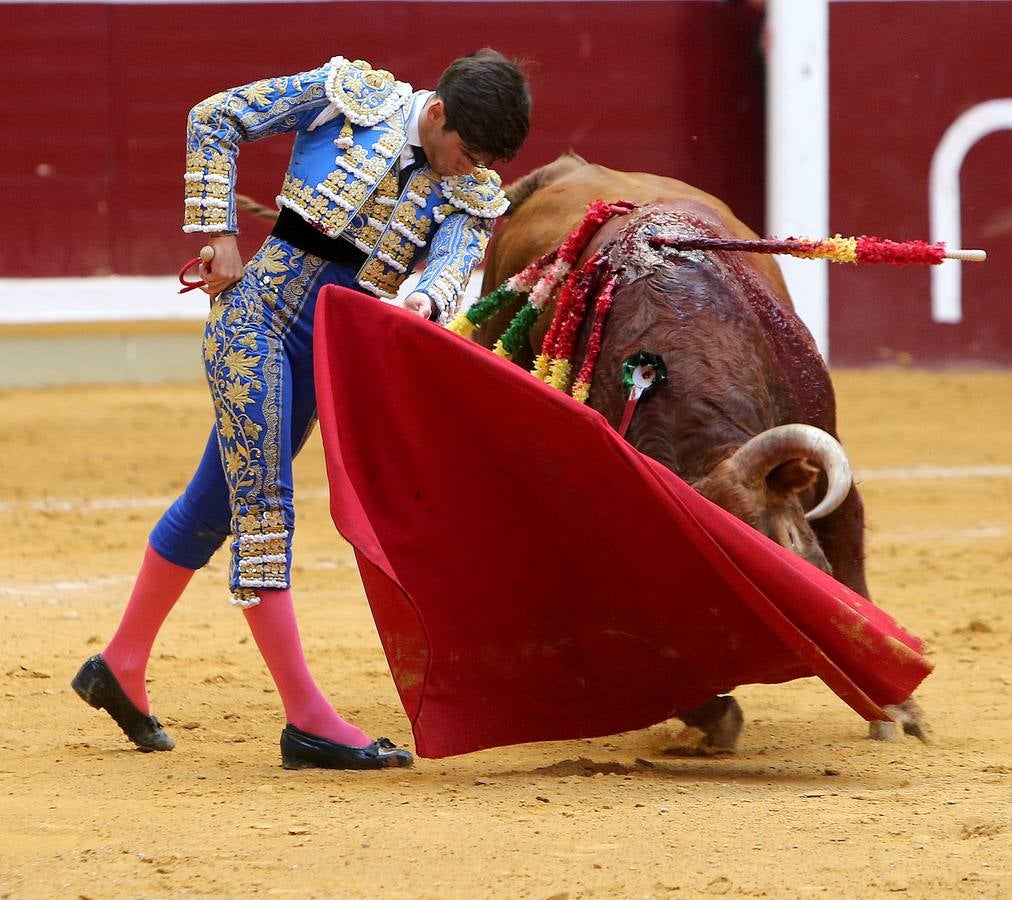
[[364, 94], [479, 193]]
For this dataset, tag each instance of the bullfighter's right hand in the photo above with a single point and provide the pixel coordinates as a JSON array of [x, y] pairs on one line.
[[225, 269]]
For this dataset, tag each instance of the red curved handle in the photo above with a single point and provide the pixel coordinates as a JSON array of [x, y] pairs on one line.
[[190, 285]]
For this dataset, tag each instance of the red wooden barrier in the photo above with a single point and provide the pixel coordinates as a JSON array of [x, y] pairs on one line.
[[98, 95], [900, 74]]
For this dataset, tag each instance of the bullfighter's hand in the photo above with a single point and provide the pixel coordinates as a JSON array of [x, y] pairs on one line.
[[420, 304], [225, 269]]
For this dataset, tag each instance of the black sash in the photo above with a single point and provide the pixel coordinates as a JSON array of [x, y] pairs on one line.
[[295, 230]]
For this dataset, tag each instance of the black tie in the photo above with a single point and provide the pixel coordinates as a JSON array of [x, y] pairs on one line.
[[407, 171]]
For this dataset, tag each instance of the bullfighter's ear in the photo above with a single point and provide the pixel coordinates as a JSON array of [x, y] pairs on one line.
[[793, 476], [435, 111]]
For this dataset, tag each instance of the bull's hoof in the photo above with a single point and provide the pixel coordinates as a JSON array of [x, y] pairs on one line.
[[908, 715], [882, 731], [712, 728]]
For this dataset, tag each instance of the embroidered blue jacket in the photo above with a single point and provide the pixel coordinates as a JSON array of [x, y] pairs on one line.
[[342, 177]]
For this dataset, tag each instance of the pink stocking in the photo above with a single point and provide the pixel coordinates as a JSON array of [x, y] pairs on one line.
[[159, 585], [276, 633]]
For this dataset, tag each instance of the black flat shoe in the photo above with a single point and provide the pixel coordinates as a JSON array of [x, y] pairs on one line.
[[97, 686], [301, 750]]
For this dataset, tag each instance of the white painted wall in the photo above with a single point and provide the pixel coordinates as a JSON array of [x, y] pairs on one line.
[[119, 298]]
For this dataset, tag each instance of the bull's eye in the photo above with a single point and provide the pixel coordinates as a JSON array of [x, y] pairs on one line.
[[792, 536]]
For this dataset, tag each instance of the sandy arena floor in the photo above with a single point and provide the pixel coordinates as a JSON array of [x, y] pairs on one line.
[[807, 806]]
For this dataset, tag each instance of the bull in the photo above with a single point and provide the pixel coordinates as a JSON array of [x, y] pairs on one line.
[[747, 415]]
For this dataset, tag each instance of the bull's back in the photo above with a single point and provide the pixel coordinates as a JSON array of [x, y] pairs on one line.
[[547, 216], [543, 217]]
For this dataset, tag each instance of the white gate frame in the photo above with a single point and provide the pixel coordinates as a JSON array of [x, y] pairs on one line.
[[945, 200]]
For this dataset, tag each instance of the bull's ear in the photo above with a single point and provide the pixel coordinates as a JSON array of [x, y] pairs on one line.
[[793, 476]]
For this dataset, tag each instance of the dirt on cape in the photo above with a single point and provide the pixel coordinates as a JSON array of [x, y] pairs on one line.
[[807, 806]]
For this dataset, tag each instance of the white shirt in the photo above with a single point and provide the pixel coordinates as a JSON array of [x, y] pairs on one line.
[[418, 101]]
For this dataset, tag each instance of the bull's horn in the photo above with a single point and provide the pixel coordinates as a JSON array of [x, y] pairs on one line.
[[764, 452]]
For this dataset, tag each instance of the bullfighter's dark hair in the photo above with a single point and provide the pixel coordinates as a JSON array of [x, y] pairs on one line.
[[487, 102]]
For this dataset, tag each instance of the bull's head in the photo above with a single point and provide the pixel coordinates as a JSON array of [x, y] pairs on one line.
[[766, 480]]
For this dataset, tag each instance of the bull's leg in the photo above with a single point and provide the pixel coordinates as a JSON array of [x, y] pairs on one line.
[[882, 731], [909, 715], [720, 720], [841, 536]]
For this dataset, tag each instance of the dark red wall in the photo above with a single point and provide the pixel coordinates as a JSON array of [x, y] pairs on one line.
[[900, 74], [97, 95]]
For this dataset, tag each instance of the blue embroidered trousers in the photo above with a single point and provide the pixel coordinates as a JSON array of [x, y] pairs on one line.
[[258, 356]]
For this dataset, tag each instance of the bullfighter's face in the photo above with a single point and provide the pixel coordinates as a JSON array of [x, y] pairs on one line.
[[446, 152]]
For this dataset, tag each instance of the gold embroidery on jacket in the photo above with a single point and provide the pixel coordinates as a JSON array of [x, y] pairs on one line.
[[354, 156], [336, 181], [355, 193], [208, 161], [393, 246], [479, 193], [421, 184], [373, 169], [217, 189], [366, 237], [203, 111], [313, 206], [387, 190], [390, 144], [364, 94], [409, 225], [380, 278], [272, 101]]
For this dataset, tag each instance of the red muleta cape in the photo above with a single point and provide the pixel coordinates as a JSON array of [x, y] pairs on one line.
[[533, 577]]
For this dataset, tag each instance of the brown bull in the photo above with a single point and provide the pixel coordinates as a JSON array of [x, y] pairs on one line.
[[747, 415]]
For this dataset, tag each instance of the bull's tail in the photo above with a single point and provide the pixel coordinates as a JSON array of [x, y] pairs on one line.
[[521, 189], [248, 204]]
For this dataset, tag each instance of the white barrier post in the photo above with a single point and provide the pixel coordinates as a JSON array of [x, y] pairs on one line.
[[797, 148]]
